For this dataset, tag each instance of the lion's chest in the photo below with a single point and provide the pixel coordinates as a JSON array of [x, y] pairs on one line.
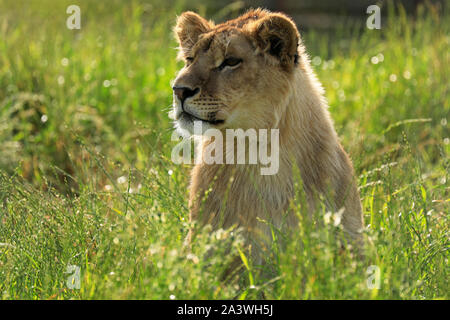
[[239, 195]]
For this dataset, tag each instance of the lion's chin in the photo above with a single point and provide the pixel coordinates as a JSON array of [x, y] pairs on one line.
[[188, 125]]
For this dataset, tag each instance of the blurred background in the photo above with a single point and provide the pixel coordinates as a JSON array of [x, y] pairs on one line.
[[324, 14]]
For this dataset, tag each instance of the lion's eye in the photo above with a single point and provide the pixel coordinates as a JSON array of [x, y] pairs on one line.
[[189, 59], [230, 62]]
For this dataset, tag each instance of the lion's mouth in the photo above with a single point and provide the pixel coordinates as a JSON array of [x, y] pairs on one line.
[[193, 118]]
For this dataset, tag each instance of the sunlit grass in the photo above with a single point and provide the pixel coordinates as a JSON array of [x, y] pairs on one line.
[[86, 177]]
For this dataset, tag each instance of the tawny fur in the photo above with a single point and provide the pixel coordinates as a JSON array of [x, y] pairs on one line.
[[274, 87]]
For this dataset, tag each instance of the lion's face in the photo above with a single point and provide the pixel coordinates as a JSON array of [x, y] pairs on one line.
[[237, 74]]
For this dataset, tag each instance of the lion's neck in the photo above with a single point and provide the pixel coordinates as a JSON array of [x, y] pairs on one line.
[[306, 130], [306, 115]]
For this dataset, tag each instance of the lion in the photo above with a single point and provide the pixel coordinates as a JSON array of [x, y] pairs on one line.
[[253, 72]]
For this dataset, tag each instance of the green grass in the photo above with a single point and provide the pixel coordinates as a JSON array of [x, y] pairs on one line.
[[85, 159]]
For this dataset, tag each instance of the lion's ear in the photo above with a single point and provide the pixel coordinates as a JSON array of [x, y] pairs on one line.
[[189, 27], [277, 34]]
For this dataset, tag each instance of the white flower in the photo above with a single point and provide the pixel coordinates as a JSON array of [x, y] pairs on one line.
[[61, 80], [407, 75], [193, 257]]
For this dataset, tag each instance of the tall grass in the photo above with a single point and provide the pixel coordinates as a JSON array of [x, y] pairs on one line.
[[86, 177]]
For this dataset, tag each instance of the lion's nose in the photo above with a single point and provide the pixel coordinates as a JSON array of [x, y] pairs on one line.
[[184, 92]]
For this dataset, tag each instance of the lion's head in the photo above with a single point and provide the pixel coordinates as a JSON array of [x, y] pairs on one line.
[[236, 74]]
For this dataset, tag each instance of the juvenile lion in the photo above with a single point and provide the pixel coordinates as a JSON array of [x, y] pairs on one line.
[[253, 72]]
